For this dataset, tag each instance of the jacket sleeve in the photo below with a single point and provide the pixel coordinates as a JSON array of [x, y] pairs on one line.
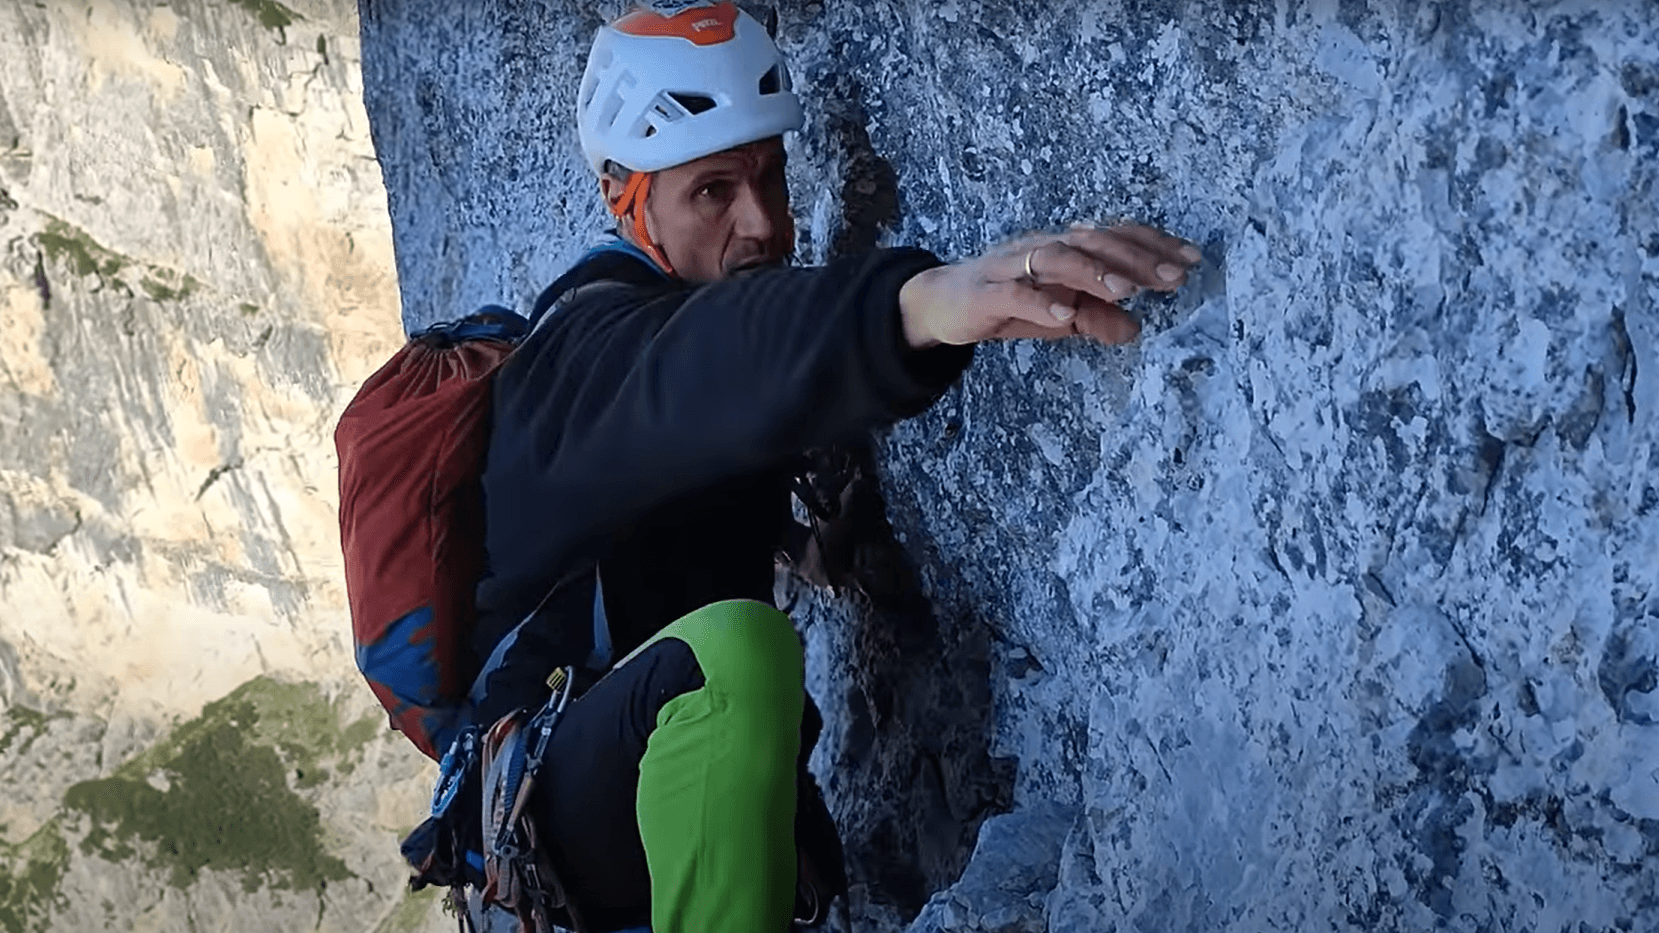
[[676, 389]]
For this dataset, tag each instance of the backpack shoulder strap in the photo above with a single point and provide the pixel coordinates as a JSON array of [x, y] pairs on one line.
[[580, 291], [615, 260]]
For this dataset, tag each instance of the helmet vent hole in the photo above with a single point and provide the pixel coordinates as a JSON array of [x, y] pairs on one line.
[[693, 103], [771, 82], [607, 113]]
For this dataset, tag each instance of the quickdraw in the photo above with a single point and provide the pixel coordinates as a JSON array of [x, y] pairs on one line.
[[518, 876], [453, 770]]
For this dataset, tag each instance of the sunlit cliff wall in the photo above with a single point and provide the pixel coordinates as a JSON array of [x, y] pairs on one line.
[[195, 273]]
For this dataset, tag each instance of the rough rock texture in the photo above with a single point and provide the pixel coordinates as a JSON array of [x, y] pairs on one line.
[[1329, 605], [195, 273]]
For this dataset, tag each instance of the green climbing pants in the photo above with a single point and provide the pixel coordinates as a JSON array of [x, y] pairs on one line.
[[716, 798]]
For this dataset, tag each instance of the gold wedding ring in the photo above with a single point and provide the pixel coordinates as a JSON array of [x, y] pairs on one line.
[[1029, 275]]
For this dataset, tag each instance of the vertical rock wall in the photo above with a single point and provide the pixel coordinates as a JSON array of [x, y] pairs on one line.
[[1330, 604], [195, 273]]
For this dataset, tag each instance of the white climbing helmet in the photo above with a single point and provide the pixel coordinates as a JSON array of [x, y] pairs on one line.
[[680, 81]]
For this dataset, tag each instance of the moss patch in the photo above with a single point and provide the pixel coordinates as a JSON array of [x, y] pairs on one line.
[[271, 15], [296, 720], [167, 285], [29, 876], [219, 793], [72, 245], [410, 914], [26, 724]]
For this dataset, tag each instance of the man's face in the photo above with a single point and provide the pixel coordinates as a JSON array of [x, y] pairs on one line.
[[722, 213]]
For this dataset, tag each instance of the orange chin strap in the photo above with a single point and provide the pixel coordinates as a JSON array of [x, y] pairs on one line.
[[633, 199]]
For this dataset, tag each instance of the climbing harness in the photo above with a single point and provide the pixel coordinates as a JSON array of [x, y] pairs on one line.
[[494, 848]]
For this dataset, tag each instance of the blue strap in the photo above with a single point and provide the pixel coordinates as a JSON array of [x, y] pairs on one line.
[[642, 270], [615, 244], [490, 321], [458, 762], [600, 658]]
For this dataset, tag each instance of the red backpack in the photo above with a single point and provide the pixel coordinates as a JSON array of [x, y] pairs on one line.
[[411, 447]]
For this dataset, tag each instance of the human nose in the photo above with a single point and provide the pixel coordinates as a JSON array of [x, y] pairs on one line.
[[754, 218]]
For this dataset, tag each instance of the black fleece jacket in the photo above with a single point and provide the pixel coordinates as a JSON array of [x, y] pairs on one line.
[[648, 427]]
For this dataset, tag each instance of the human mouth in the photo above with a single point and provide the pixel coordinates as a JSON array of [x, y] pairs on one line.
[[754, 264]]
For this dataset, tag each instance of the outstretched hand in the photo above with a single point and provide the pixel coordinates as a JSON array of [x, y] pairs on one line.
[[1045, 285]]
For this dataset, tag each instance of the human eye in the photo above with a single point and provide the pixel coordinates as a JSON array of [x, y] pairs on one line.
[[714, 191]]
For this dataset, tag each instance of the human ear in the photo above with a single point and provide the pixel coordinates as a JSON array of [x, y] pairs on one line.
[[610, 188]]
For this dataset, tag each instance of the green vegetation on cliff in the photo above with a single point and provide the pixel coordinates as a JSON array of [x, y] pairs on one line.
[[220, 792], [67, 244], [163, 284], [23, 723], [29, 876], [410, 914], [62, 242], [271, 15]]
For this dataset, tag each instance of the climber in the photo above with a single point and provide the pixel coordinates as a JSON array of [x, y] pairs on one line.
[[635, 484]]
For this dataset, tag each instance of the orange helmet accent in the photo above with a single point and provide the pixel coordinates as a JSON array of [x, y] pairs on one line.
[[699, 25], [632, 201]]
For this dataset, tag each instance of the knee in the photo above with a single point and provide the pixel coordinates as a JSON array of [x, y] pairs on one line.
[[746, 647]]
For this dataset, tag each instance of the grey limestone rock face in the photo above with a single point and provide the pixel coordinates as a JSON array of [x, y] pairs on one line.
[[1013, 870], [1329, 604]]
